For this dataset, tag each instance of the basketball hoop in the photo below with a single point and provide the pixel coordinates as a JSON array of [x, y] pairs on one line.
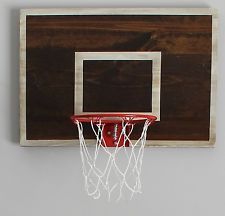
[[112, 130]]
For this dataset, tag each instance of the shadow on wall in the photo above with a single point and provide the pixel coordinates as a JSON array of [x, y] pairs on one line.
[[14, 76]]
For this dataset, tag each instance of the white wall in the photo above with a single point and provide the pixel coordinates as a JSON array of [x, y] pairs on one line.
[[47, 181]]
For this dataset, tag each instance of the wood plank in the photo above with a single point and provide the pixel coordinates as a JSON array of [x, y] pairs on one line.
[[172, 34]]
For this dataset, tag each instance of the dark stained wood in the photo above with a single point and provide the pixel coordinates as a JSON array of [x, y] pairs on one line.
[[117, 86], [185, 42], [173, 23], [173, 34]]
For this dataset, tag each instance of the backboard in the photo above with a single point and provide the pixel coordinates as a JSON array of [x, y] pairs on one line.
[[153, 61]]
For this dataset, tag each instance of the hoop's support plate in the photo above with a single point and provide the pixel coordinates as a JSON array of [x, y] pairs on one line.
[[150, 61]]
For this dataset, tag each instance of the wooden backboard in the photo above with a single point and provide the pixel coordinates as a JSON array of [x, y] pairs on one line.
[[157, 61]]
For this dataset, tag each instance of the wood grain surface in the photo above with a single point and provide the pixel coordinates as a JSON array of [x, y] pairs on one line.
[[186, 45]]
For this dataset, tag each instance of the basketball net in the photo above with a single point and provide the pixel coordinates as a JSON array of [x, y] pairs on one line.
[[115, 170]]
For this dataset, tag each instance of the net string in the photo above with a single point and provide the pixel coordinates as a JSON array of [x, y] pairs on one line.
[[89, 167]]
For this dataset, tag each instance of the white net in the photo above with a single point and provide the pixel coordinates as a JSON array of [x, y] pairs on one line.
[[115, 170]]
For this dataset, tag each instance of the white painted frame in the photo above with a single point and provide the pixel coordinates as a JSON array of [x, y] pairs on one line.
[[118, 11], [155, 57]]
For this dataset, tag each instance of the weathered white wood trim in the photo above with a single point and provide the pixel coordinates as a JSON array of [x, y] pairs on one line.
[[149, 143], [155, 57], [213, 96], [119, 11], [22, 78]]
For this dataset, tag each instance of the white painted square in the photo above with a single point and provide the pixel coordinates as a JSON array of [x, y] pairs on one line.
[[155, 57]]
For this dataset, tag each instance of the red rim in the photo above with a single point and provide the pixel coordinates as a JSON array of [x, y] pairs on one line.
[[113, 118]]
